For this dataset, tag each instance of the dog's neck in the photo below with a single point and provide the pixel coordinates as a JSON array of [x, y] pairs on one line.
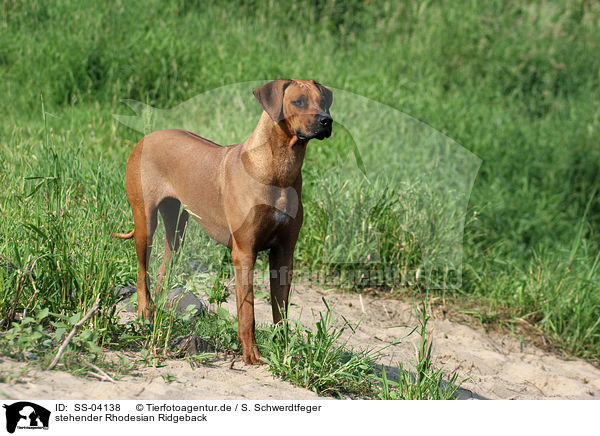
[[271, 155]]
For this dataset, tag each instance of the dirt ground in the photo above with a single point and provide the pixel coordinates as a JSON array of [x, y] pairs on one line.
[[495, 366]]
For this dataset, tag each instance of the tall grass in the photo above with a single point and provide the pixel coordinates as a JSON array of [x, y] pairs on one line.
[[55, 228], [516, 83]]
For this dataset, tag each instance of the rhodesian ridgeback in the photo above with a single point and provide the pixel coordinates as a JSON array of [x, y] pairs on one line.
[[246, 196]]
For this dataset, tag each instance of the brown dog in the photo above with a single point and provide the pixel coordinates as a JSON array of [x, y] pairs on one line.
[[246, 196]]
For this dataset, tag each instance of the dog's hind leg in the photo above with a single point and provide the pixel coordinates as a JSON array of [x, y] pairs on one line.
[[144, 204], [145, 225]]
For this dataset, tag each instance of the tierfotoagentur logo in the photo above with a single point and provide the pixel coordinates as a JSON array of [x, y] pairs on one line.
[[24, 415], [389, 207]]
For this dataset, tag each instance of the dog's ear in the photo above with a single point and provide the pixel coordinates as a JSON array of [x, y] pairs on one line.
[[326, 94], [270, 96]]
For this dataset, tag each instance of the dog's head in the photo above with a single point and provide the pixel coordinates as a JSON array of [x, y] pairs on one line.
[[301, 105]]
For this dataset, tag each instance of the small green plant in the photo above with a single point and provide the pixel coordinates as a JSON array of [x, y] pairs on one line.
[[168, 378], [33, 337], [317, 360], [199, 359], [12, 376], [133, 334], [155, 336], [146, 357], [126, 363], [212, 285], [86, 340], [27, 337], [426, 383], [220, 330]]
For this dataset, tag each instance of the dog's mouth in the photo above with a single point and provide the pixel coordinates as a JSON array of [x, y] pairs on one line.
[[324, 134], [320, 134], [301, 136]]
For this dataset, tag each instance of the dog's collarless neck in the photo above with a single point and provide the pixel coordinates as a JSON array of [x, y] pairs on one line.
[[272, 157]]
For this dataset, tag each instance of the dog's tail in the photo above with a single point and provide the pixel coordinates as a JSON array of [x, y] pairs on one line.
[[124, 235]]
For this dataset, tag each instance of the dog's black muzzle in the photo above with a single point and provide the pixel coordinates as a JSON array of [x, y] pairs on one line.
[[320, 129]]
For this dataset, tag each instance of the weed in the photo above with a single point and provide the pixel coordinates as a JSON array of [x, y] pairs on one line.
[[31, 337], [168, 378], [199, 359], [317, 360], [212, 285], [219, 329], [426, 382]]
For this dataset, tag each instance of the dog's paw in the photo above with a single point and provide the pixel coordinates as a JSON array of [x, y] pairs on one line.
[[251, 356]]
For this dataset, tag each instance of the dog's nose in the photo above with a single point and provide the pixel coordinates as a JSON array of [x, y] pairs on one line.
[[325, 120]]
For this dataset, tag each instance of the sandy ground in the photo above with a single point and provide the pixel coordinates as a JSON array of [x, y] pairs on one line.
[[495, 366]]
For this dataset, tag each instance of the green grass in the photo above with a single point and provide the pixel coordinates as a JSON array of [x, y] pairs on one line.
[[426, 382], [319, 358], [515, 83]]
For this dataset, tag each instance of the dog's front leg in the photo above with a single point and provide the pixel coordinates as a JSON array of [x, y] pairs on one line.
[[243, 264], [281, 265]]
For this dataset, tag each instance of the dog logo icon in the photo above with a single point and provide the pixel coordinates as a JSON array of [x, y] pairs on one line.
[[26, 415]]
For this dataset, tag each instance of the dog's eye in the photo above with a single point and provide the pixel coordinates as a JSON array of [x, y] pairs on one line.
[[299, 103]]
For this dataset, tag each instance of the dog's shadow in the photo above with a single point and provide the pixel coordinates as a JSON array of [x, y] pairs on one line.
[[392, 374]]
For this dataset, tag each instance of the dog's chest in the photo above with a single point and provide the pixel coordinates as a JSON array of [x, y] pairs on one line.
[[284, 202], [280, 214], [276, 224], [280, 218]]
